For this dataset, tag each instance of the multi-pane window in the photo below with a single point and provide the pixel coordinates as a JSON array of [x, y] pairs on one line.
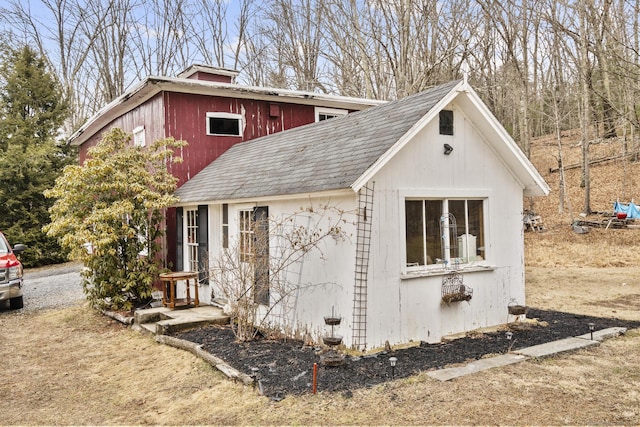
[[225, 226], [431, 237], [246, 235], [253, 234], [192, 239]]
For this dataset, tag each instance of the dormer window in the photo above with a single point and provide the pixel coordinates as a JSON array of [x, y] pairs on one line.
[[328, 113], [226, 124], [446, 122]]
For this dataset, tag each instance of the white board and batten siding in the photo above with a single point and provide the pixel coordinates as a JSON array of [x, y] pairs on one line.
[[324, 277], [408, 307], [403, 303]]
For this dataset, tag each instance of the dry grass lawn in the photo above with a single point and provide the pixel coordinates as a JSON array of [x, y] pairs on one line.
[[73, 366]]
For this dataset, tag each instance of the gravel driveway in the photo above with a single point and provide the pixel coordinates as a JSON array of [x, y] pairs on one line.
[[51, 287]]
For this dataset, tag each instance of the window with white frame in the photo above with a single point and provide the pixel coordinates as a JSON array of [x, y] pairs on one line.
[[427, 244], [226, 124], [192, 239], [246, 235], [139, 137], [225, 226], [328, 113]]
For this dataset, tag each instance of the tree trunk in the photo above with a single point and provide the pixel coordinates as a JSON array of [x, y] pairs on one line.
[[585, 74]]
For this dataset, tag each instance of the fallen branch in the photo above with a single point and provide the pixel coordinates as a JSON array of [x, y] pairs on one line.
[[596, 161]]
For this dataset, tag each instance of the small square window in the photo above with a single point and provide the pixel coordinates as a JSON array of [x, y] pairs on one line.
[[224, 124], [446, 122]]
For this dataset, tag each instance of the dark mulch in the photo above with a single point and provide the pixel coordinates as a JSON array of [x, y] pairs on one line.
[[286, 367]]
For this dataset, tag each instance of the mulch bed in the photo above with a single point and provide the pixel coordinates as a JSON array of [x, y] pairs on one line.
[[286, 367]]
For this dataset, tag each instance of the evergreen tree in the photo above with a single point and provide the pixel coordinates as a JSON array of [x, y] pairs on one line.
[[31, 115]]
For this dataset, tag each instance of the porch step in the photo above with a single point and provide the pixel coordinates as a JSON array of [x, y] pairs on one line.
[[164, 321]]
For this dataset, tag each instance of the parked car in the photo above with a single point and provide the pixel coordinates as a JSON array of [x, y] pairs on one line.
[[10, 273]]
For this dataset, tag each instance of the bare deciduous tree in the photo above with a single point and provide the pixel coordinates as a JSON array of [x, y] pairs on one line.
[[255, 275], [56, 32]]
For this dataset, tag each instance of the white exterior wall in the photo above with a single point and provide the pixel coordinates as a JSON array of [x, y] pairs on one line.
[[324, 278], [410, 309], [402, 307]]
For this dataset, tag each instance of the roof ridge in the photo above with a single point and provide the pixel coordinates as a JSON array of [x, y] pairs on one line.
[[327, 155]]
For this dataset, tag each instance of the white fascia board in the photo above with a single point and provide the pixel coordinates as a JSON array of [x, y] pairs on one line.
[[126, 102], [150, 86], [408, 136], [203, 87], [299, 196]]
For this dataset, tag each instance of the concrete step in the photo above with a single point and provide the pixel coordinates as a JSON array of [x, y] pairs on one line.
[[149, 315], [171, 326], [165, 321]]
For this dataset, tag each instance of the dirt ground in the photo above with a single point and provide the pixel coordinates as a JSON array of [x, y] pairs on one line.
[[73, 366]]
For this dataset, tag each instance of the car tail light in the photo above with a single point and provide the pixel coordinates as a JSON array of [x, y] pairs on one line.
[[15, 270]]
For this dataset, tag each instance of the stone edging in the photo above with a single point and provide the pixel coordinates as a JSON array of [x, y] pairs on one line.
[[127, 320], [214, 361]]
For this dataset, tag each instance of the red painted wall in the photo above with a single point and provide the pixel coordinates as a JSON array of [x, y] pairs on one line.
[[185, 118], [150, 115], [210, 77]]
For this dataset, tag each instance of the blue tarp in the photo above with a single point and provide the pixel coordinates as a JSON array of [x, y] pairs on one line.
[[631, 210]]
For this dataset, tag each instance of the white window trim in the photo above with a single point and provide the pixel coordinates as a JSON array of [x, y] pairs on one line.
[[221, 115], [245, 256], [430, 272], [190, 247], [139, 137], [224, 229], [441, 194], [332, 111]]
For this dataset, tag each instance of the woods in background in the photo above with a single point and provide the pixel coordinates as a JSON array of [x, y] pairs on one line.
[[542, 66]]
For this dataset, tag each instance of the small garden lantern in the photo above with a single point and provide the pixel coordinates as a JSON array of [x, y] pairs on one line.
[[393, 361]]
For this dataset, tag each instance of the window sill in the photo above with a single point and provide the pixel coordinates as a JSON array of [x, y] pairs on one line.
[[441, 271]]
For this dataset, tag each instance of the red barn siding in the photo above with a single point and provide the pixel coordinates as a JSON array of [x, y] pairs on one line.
[[185, 118], [210, 77], [149, 115]]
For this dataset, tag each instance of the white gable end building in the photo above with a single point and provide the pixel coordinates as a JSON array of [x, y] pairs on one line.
[[429, 193]]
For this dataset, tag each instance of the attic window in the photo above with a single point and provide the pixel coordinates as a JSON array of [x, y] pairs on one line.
[[446, 122], [224, 124], [328, 113]]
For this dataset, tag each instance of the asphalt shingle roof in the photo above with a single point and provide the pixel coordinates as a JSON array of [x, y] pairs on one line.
[[328, 155]]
